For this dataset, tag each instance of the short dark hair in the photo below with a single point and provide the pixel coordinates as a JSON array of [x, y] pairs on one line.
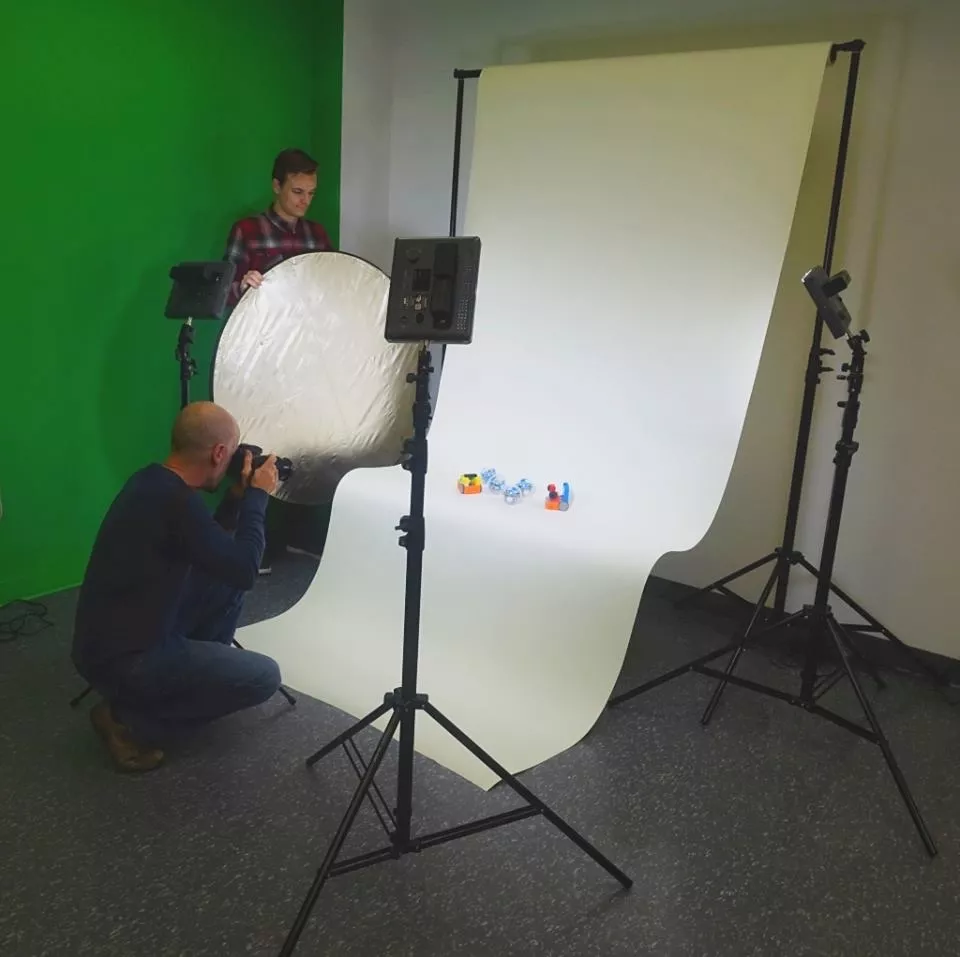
[[290, 163]]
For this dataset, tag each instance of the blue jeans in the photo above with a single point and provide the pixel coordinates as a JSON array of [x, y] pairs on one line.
[[195, 675]]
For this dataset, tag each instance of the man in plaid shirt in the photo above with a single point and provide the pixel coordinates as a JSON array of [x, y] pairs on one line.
[[258, 243], [255, 246]]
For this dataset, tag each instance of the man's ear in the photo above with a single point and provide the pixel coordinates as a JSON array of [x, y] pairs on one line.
[[276, 187]]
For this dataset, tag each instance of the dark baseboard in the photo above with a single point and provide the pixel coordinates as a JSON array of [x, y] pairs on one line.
[[875, 649]]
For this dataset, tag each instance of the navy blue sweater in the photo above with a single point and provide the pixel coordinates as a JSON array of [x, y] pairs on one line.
[[155, 530]]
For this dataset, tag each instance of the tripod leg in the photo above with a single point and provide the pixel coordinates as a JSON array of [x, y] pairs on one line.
[[527, 795], [911, 653], [868, 666], [840, 640], [359, 796], [669, 676], [349, 733], [75, 701], [720, 582], [735, 657], [935, 675]]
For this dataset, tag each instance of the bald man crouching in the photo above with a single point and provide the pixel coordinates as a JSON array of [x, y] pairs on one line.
[[162, 594]]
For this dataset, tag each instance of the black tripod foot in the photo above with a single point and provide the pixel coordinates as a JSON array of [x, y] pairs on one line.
[[842, 643]]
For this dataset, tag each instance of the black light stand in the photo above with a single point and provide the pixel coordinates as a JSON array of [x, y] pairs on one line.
[[402, 704], [817, 620], [786, 556]]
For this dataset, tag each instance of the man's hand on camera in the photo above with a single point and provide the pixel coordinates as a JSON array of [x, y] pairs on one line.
[[251, 280], [266, 476], [241, 484]]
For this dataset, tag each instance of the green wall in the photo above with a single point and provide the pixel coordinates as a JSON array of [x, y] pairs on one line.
[[134, 135]]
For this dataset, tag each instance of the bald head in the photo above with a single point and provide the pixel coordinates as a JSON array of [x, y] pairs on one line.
[[200, 429]]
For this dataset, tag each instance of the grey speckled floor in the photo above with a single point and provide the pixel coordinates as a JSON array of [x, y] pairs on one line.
[[770, 833]]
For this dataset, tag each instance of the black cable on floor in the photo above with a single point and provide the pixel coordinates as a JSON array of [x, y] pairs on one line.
[[28, 621]]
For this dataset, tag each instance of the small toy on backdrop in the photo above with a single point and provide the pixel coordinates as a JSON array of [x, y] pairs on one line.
[[557, 501], [469, 484]]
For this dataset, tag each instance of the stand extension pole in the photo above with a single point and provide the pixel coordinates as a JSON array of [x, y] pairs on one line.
[[188, 365], [814, 361], [402, 704], [460, 76]]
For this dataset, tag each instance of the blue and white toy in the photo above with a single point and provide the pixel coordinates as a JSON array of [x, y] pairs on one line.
[[511, 493]]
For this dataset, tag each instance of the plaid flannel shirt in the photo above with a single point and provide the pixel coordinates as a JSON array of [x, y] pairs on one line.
[[262, 242]]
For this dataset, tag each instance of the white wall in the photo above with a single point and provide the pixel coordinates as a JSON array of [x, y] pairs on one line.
[[365, 135], [898, 239]]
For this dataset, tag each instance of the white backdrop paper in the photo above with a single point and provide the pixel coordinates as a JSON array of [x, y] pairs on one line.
[[634, 215]]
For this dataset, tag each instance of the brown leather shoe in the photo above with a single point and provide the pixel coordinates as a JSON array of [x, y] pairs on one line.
[[126, 753]]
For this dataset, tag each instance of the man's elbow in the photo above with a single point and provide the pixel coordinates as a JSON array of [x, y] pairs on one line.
[[242, 575], [248, 577]]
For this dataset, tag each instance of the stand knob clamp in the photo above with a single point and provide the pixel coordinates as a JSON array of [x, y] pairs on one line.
[[188, 367], [414, 534]]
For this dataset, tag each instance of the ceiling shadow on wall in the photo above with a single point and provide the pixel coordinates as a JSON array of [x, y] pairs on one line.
[[631, 40]]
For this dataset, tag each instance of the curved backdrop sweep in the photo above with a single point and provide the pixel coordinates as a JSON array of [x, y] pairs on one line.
[[303, 366], [634, 215]]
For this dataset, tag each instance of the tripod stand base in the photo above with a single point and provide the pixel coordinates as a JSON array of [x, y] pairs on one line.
[[400, 839], [820, 624], [785, 560]]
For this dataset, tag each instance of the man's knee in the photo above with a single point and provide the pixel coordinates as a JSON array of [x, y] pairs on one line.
[[264, 678]]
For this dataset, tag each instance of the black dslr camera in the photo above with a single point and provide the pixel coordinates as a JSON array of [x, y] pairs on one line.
[[235, 468]]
